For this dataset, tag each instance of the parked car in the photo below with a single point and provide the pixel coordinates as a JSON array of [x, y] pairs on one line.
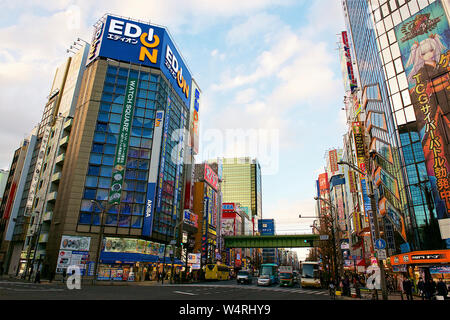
[[244, 276]]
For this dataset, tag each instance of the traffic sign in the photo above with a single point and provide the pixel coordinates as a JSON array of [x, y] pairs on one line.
[[380, 244], [323, 237], [381, 254]]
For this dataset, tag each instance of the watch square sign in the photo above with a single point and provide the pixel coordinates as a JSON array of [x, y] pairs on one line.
[[143, 44]]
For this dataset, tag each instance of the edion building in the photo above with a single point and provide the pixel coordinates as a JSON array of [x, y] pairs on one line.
[[122, 175]]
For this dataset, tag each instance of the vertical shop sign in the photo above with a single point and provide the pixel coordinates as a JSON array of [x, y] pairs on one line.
[[153, 174], [163, 154], [120, 159], [37, 170]]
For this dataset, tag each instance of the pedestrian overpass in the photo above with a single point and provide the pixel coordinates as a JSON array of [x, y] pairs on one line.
[[278, 241]]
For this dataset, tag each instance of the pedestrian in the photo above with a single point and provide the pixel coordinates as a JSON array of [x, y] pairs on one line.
[[346, 286], [421, 287], [407, 287], [37, 278], [430, 288], [64, 273], [332, 289], [442, 288]]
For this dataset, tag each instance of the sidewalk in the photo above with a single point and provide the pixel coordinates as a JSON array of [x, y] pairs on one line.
[[367, 295]]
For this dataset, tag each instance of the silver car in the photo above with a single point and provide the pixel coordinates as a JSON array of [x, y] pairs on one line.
[[264, 280]]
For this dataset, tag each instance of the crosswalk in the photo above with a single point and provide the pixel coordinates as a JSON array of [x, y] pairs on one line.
[[26, 287], [208, 287]]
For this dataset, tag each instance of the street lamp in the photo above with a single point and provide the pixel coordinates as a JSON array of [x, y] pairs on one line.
[[373, 206], [102, 227], [333, 234]]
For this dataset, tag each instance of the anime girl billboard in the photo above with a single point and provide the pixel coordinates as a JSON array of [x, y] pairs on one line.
[[424, 41]]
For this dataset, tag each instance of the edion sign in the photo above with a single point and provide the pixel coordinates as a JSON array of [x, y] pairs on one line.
[[211, 177], [143, 44]]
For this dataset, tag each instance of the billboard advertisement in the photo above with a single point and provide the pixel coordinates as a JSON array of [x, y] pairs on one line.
[[228, 207], [350, 83], [190, 218], [163, 154], [211, 177], [227, 227], [194, 109], [143, 44], [120, 160], [333, 159], [266, 227], [153, 174], [323, 182], [179, 163], [424, 41], [73, 250], [37, 170]]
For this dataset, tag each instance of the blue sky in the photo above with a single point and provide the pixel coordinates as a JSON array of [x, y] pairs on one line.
[[262, 65]]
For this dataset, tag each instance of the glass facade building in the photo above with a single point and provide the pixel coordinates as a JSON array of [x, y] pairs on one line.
[[152, 93], [242, 184], [389, 113]]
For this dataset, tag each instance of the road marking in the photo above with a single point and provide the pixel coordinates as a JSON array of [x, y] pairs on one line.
[[188, 293]]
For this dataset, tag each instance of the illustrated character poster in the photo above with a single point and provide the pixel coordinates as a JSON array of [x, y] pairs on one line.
[[424, 41]]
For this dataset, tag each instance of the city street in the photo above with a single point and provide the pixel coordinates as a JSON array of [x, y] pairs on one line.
[[224, 290]]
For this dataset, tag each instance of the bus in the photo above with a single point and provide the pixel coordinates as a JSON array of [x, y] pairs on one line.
[[217, 272], [310, 274], [268, 274]]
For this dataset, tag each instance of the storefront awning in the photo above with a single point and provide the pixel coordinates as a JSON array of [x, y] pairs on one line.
[[422, 257], [126, 257]]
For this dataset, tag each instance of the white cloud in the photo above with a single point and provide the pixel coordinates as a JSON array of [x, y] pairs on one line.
[[256, 25]]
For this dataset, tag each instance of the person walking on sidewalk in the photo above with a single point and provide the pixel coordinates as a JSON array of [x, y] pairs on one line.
[[37, 278], [421, 287], [430, 289], [64, 273], [407, 287], [442, 289]]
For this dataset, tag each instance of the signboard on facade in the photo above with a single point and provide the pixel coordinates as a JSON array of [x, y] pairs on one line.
[[120, 160], [227, 227], [194, 258], [422, 257], [74, 251], [195, 107], [144, 44], [428, 78], [323, 181], [333, 159], [211, 177], [190, 218], [228, 207], [37, 170], [346, 63]]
